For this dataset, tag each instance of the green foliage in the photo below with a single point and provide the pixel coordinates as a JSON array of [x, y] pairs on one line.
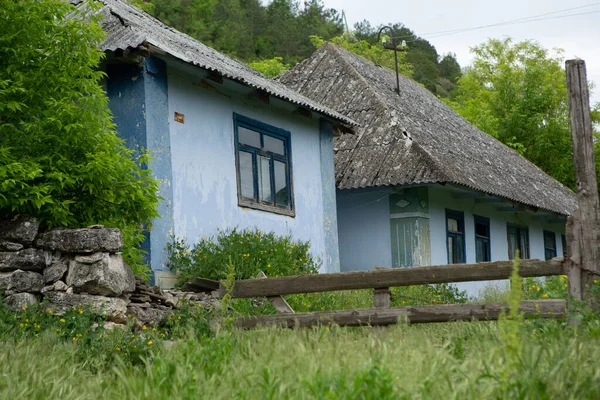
[[249, 251], [374, 53], [248, 29], [60, 157], [517, 93], [271, 67]]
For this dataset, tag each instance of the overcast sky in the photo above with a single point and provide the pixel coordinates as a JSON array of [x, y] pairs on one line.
[[578, 36]]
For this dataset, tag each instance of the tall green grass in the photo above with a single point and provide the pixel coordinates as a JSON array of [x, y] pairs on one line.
[[453, 360]]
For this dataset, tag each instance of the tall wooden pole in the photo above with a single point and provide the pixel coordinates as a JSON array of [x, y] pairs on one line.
[[582, 229]]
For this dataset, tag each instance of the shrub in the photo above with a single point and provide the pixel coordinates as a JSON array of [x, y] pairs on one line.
[[249, 251], [60, 157]]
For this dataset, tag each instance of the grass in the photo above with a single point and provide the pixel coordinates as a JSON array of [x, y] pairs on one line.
[[67, 357], [453, 360]]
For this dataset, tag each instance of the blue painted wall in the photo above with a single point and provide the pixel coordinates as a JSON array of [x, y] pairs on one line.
[[330, 224], [364, 230], [139, 102], [203, 164]]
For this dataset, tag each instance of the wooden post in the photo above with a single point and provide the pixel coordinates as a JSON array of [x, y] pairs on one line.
[[381, 298], [584, 252], [278, 302]]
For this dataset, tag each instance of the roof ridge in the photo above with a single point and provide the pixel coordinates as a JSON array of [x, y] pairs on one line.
[[422, 151]]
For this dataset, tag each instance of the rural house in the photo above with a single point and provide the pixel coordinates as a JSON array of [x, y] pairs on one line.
[[417, 184], [231, 147]]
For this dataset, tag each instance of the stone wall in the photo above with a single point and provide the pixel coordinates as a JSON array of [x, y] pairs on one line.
[[65, 267], [69, 267]]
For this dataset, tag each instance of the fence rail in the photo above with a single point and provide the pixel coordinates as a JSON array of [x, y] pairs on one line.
[[385, 278], [417, 314]]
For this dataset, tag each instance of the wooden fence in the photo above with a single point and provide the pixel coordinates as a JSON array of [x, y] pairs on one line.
[[581, 267]]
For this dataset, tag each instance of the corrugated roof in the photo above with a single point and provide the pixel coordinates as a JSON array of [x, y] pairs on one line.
[[415, 138], [127, 27]]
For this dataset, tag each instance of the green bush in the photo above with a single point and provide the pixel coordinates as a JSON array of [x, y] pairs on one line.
[[60, 157], [249, 251]]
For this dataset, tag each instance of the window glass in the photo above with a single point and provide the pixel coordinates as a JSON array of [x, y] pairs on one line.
[[453, 225], [246, 175], [518, 240], [248, 137], [281, 190], [455, 236], [264, 179], [263, 166], [481, 229], [549, 241], [274, 145]]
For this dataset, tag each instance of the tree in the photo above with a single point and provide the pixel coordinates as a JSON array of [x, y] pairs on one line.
[[517, 93], [60, 157]]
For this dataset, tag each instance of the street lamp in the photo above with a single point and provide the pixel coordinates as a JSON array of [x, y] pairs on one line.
[[392, 46]]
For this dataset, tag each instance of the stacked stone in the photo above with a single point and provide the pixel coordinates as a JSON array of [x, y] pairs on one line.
[[21, 265], [65, 267]]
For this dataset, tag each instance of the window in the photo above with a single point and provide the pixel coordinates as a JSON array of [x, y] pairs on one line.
[[263, 161], [482, 239], [518, 240], [564, 244], [455, 236], [549, 245]]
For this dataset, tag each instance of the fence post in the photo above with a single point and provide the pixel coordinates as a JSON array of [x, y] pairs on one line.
[[582, 229]]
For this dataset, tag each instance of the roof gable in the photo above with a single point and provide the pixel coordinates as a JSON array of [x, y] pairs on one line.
[[127, 27], [414, 137]]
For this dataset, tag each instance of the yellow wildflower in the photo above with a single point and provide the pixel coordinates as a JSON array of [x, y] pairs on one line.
[[117, 349], [144, 327], [62, 320], [24, 308], [80, 311], [545, 296], [74, 339], [150, 342]]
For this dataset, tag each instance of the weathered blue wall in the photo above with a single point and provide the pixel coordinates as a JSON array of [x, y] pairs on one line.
[[330, 224], [139, 102], [364, 229], [203, 163]]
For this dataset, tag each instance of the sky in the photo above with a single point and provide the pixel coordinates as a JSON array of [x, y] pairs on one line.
[[578, 36]]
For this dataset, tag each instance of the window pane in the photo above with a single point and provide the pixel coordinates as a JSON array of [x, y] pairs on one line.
[[451, 249], [452, 225], [479, 255], [549, 241], [281, 189], [274, 145], [523, 244], [458, 251], [264, 179], [481, 229], [246, 175], [246, 136]]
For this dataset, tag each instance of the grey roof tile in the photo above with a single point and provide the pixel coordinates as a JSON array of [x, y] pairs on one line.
[[415, 138], [127, 27]]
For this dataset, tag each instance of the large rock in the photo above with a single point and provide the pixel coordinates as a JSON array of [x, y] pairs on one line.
[[85, 240], [19, 301], [113, 308], [27, 259], [102, 274], [21, 228], [25, 281], [56, 270], [148, 315], [4, 280], [5, 245], [58, 286]]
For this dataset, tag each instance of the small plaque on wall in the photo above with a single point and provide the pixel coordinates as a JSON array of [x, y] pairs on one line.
[[179, 117]]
